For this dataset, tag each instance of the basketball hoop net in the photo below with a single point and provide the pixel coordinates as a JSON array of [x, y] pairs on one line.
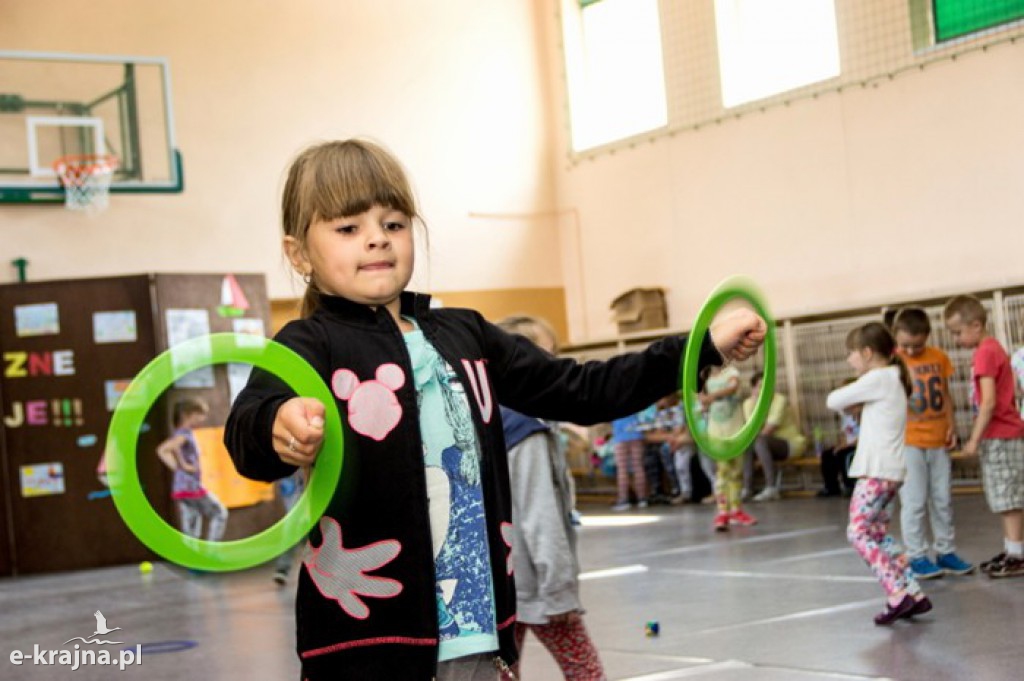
[[86, 179]]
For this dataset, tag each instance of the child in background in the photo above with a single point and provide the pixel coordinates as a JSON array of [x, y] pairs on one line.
[[931, 433], [725, 418], [628, 444], [1017, 364], [544, 540], [683, 449], [181, 453], [290, 490], [780, 437], [997, 435], [408, 573], [659, 424], [881, 390], [675, 446], [835, 461]]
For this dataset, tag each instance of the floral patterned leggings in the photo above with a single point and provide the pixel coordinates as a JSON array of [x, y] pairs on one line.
[[570, 645], [728, 476], [868, 532]]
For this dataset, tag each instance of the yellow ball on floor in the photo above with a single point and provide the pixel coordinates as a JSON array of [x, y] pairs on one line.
[[145, 567]]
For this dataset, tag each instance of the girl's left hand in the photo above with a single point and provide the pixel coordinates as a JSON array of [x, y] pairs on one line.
[[738, 334]]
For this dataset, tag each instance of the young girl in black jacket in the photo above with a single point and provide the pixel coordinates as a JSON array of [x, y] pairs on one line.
[[408, 574]]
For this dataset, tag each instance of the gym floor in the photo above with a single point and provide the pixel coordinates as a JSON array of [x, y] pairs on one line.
[[785, 600]]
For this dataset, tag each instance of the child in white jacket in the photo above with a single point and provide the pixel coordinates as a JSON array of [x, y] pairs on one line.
[[881, 388]]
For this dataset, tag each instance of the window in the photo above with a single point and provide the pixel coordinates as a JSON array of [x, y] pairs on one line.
[[614, 69], [954, 18], [770, 46]]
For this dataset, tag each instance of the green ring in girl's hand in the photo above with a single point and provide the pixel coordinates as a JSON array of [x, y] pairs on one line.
[[723, 449], [134, 406]]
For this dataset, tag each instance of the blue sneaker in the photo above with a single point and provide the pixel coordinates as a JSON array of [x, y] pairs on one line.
[[953, 564], [925, 569]]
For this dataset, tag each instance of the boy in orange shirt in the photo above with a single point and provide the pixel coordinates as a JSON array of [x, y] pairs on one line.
[[997, 436], [930, 435]]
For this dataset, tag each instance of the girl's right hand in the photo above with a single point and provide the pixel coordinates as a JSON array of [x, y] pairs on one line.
[[738, 334], [299, 430]]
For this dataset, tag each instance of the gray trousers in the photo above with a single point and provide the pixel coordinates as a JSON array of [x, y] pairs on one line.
[[768, 449], [471, 668], [682, 466], [192, 511], [927, 488]]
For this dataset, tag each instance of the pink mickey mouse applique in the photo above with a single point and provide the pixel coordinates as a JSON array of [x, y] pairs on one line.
[[373, 408]]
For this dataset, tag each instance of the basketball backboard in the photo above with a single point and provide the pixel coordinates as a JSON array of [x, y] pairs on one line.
[[54, 105]]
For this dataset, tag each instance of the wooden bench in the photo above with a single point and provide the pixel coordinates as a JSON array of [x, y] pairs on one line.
[[808, 469], [966, 472]]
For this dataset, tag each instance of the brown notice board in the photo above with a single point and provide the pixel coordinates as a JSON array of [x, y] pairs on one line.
[[54, 513], [58, 515]]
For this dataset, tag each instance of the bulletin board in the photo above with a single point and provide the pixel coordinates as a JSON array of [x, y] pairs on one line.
[[59, 361], [70, 348]]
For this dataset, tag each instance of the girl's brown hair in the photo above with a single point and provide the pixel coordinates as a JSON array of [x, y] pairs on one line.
[[877, 338], [531, 328], [187, 407], [338, 179]]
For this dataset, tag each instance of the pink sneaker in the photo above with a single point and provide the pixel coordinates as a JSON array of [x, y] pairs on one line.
[[741, 517], [721, 522]]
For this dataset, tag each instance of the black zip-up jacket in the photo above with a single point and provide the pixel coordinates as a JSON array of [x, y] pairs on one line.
[[378, 619]]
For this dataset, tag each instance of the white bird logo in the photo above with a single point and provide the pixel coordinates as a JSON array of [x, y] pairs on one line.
[[101, 625], [101, 629]]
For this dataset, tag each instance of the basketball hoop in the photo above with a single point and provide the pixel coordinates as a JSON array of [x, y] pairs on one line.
[[86, 179]]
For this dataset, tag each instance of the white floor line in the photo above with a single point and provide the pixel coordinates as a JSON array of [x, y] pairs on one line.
[[693, 548], [612, 572], [699, 670], [809, 556], [655, 656], [768, 575], [601, 521], [804, 614], [725, 665]]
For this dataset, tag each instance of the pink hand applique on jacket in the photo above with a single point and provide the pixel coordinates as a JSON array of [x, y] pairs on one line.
[[373, 408], [339, 573]]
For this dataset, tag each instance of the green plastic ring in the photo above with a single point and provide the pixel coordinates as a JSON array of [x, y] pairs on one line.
[[723, 449], [134, 406]]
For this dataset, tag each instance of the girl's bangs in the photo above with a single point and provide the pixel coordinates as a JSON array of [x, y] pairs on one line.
[[353, 181]]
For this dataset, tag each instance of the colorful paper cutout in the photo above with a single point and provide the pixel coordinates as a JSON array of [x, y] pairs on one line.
[[183, 325], [42, 479], [112, 391], [233, 302], [41, 319], [114, 327]]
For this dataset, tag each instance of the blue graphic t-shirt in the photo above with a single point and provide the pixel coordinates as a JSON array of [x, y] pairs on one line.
[[451, 454]]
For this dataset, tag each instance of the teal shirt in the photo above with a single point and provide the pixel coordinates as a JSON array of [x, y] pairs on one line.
[[451, 454]]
